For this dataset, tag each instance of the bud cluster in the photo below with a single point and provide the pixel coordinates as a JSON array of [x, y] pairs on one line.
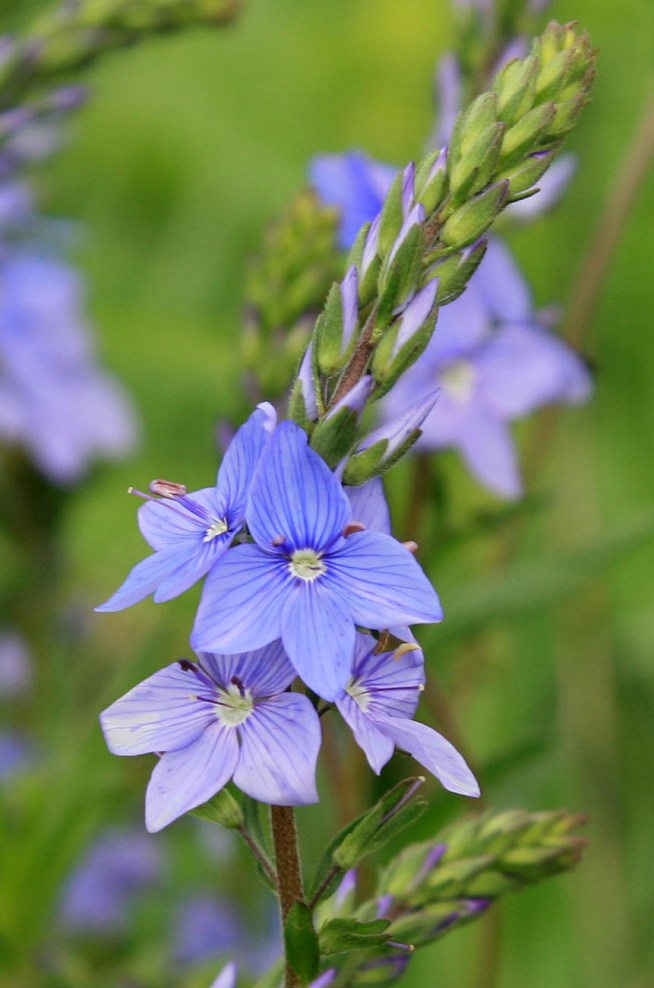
[[77, 33], [426, 243], [436, 886], [286, 286]]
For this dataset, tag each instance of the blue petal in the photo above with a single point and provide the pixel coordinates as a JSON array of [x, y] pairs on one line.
[[318, 636], [380, 582], [501, 283], [160, 714], [433, 751], [189, 777], [393, 684], [170, 523], [377, 747], [295, 495], [280, 741], [369, 505], [241, 460], [264, 671], [242, 602], [147, 576], [226, 978], [487, 447], [525, 367], [192, 568], [356, 184]]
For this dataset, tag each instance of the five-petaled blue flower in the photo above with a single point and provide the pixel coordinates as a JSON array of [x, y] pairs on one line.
[[305, 579], [379, 702], [189, 533], [226, 717]]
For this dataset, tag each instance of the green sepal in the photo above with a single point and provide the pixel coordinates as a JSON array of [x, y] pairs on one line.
[[367, 281], [337, 936], [223, 809], [301, 942], [566, 115], [392, 215], [365, 465], [524, 176], [430, 191], [472, 219], [515, 87], [328, 334], [455, 272], [526, 135], [373, 829], [473, 171], [387, 367], [432, 921], [399, 276], [297, 409], [334, 437], [470, 125], [453, 878]]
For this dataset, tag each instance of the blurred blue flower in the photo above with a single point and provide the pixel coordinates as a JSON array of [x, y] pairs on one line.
[[378, 704], [190, 532], [15, 664], [204, 927], [55, 401], [15, 755], [222, 718], [303, 579], [120, 864], [493, 364]]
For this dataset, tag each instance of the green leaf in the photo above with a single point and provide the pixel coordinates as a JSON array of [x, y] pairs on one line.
[[530, 584], [301, 942]]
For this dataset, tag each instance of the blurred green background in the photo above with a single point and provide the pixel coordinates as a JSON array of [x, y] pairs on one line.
[[187, 148]]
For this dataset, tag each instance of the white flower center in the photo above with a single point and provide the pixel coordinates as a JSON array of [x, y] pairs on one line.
[[307, 564], [217, 527], [359, 694], [459, 379], [234, 706]]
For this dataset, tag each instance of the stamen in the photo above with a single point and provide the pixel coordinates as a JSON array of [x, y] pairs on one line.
[[186, 665], [352, 527], [411, 546], [167, 488], [278, 541]]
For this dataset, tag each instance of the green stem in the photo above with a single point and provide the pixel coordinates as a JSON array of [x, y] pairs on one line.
[[260, 855], [289, 884]]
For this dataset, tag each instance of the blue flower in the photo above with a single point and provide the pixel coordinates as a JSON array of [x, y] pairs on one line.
[[493, 364], [189, 532], [378, 704], [303, 580], [356, 184], [226, 717]]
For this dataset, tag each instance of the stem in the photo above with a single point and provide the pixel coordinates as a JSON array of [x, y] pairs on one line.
[[632, 171], [260, 855], [289, 882]]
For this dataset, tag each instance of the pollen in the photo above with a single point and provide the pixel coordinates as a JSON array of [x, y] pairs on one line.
[[218, 527], [459, 379], [307, 564]]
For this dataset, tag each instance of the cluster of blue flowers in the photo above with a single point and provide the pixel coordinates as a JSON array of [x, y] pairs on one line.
[[299, 576]]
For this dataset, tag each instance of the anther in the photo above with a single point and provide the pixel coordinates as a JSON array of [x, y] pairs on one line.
[[167, 488], [186, 665], [352, 527], [404, 648], [411, 546], [279, 540]]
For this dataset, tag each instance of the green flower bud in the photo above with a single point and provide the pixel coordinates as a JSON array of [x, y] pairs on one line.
[[472, 219]]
